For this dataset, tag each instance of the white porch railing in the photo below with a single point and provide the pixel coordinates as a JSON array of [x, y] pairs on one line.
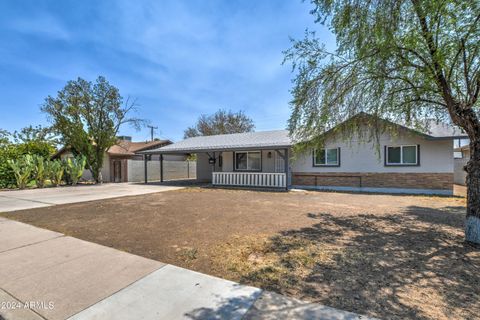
[[250, 179]]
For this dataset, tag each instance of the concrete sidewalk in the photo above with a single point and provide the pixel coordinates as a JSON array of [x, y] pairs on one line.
[[36, 198], [46, 275]]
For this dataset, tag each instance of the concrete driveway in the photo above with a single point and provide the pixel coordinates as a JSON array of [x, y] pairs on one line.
[[35, 198]]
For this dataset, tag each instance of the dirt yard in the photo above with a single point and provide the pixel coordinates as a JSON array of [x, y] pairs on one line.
[[392, 257]]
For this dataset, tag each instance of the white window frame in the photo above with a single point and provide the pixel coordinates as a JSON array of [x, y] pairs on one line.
[[401, 163], [247, 152], [326, 164]]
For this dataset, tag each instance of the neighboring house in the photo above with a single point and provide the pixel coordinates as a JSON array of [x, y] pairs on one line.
[[121, 163], [408, 161], [460, 175]]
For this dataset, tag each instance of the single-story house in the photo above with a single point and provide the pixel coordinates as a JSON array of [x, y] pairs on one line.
[[121, 162], [407, 161], [460, 175]]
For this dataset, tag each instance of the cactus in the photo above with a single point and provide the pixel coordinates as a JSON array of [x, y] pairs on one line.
[[40, 171], [75, 168], [22, 168], [56, 170]]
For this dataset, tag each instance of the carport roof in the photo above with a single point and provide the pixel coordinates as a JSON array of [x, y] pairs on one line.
[[224, 142]]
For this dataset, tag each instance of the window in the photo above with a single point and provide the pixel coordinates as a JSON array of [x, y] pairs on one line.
[[401, 155], [248, 161], [458, 155], [326, 157]]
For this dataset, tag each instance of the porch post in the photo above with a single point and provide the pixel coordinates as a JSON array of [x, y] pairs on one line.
[[214, 160], [286, 168], [213, 166], [161, 167], [145, 168]]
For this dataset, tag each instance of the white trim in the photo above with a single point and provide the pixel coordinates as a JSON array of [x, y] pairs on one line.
[[250, 179], [401, 155], [326, 164]]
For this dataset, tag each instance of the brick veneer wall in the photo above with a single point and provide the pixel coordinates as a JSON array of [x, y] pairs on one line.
[[440, 181]]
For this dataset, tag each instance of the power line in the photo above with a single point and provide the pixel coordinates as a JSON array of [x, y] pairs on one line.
[[151, 131]]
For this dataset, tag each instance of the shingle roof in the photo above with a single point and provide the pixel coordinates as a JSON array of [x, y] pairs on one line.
[[125, 147], [436, 130], [247, 140], [276, 138]]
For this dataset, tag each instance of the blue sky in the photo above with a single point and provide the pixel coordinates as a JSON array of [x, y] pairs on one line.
[[179, 59]]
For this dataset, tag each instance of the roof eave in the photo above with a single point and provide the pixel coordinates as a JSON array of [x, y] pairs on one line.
[[120, 154], [446, 137], [201, 150]]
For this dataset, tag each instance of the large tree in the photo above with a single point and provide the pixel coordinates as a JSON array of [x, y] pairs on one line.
[[87, 116], [35, 134], [221, 122], [404, 60]]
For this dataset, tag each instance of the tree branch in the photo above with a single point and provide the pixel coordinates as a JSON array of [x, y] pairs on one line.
[[452, 105], [462, 46]]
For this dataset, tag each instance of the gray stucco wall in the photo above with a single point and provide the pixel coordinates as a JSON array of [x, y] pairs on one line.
[[204, 169], [459, 174], [436, 156]]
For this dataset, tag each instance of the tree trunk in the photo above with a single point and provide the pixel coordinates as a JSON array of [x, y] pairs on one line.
[[94, 170], [95, 173], [98, 164], [472, 225]]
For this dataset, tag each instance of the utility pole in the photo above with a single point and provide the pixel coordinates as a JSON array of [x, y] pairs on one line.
[[151, 131]]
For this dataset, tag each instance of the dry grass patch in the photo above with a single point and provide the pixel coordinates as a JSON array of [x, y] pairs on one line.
[[364, 263], [278, 263]]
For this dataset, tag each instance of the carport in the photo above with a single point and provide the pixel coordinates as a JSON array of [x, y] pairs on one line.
[[253, 159]]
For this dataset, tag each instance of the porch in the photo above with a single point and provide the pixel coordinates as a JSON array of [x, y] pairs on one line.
[[252, 159], [259, 168]]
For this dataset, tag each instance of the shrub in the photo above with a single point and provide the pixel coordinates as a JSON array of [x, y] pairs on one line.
[[56, 170], [10, 151], [40, 170], [75, 167], [7, 175], [22, 168]]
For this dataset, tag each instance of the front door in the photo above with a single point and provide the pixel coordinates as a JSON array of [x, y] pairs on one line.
[[279, 163], [117, 171]]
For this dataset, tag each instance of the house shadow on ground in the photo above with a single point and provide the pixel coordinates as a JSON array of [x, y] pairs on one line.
[[413, 264]]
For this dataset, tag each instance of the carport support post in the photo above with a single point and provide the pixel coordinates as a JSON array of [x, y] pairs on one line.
[[145, 168], [286, 168], [161, 167]]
